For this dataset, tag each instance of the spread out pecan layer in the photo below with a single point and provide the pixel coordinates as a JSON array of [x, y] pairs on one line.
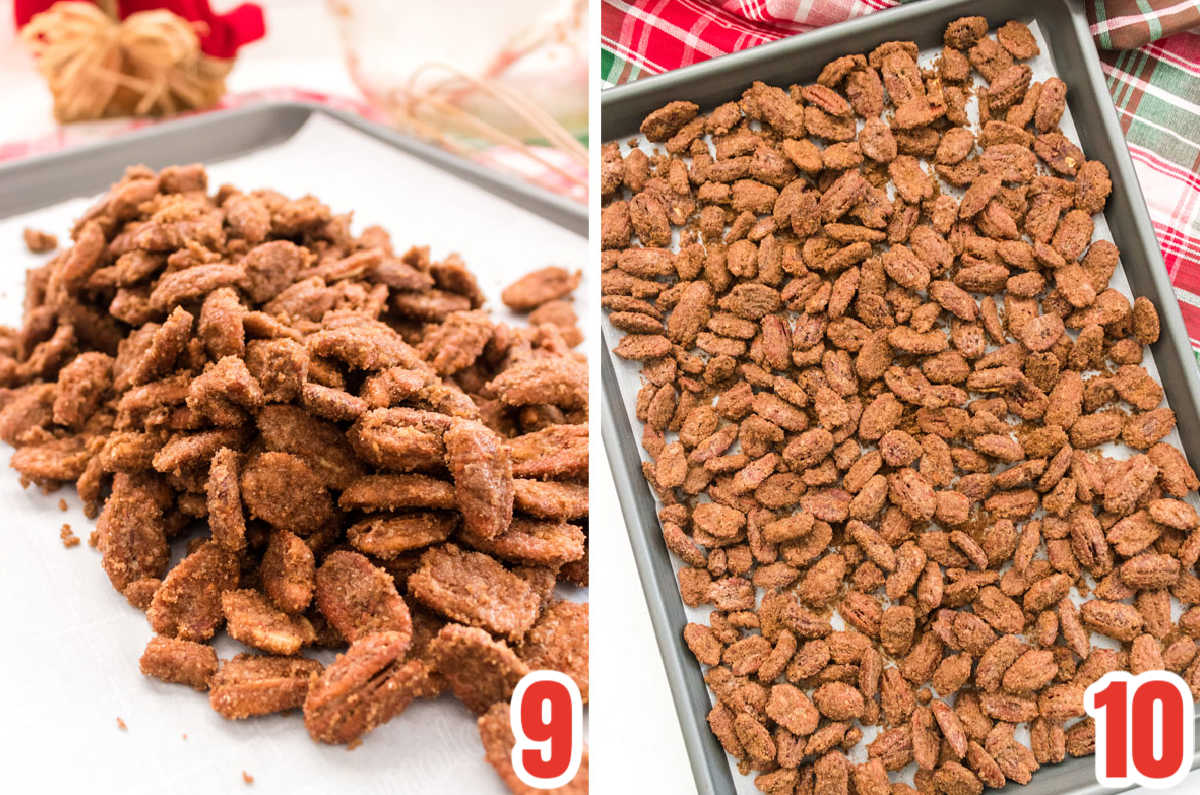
[[359, 456], [880, 355]]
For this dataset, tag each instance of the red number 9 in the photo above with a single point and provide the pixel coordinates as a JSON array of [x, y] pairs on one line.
[[547, 722]]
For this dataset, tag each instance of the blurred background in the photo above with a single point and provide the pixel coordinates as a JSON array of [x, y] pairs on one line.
[[509, 89]]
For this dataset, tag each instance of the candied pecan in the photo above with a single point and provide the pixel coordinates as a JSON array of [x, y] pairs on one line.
[[184, 450], [271, 267], [480, 671], [253, 684], [550, 500], [473, 588], [280, 367], [363, 688], [1016, 37], [81, 387], [538, 287], [224, 500], [533, 542], [166, 343], [364, 346], [132, 534], [557, 380], [188, 604], [221, 325], [333, 404], [1114, 619], [181, 661], [667, 120], [386, 536], [495, 730], [287, 572], [557, 451], [561, 314], [559, 641], [268, 475], [255, 622], [38, 241], [305, 328], [482, 472], [1145, 321], [358, 598], [964, 32], [321, 445]]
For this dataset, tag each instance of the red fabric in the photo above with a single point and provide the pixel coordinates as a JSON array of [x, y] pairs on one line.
[[220, 34]]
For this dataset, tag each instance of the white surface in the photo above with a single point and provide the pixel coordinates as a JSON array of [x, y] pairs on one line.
[[72, 642], [636, 740], [603, 497]]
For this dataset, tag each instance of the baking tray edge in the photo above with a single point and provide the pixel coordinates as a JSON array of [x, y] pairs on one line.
[[35, 181]]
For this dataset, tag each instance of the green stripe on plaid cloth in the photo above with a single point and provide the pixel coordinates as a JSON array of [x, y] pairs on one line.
[[1155, 85], [1125, 24]]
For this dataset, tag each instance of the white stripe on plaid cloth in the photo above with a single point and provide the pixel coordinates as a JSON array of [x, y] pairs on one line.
[[650, 17], [644, 62], [1143, 120], [1152, 90], [1165, 55], [1108, 25], [801, 15], [750, 36]]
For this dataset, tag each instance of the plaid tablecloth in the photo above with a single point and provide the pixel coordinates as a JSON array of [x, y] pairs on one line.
[[1150, 59]]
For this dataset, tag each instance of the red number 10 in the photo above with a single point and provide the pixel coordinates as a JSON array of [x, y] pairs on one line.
[[1144, 728]]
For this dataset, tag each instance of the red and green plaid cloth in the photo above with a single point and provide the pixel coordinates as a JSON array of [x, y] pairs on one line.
[[1151, 61]]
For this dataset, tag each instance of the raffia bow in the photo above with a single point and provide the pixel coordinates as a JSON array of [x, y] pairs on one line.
[[97, 66]]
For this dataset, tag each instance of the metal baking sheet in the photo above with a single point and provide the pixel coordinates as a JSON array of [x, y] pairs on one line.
[[798, 59], [73, 642], [211, 137]]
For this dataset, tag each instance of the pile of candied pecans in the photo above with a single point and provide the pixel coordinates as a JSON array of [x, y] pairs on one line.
[[885, 404], [380, 468]]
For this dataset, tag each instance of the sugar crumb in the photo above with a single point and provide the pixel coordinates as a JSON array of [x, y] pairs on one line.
[[69, 539], [39, 242]]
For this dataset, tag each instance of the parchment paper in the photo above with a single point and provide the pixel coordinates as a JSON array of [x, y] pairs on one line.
[[630, 381], [72, 642]]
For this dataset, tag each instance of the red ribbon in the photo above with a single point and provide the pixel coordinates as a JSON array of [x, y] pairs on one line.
[[220, 36]]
